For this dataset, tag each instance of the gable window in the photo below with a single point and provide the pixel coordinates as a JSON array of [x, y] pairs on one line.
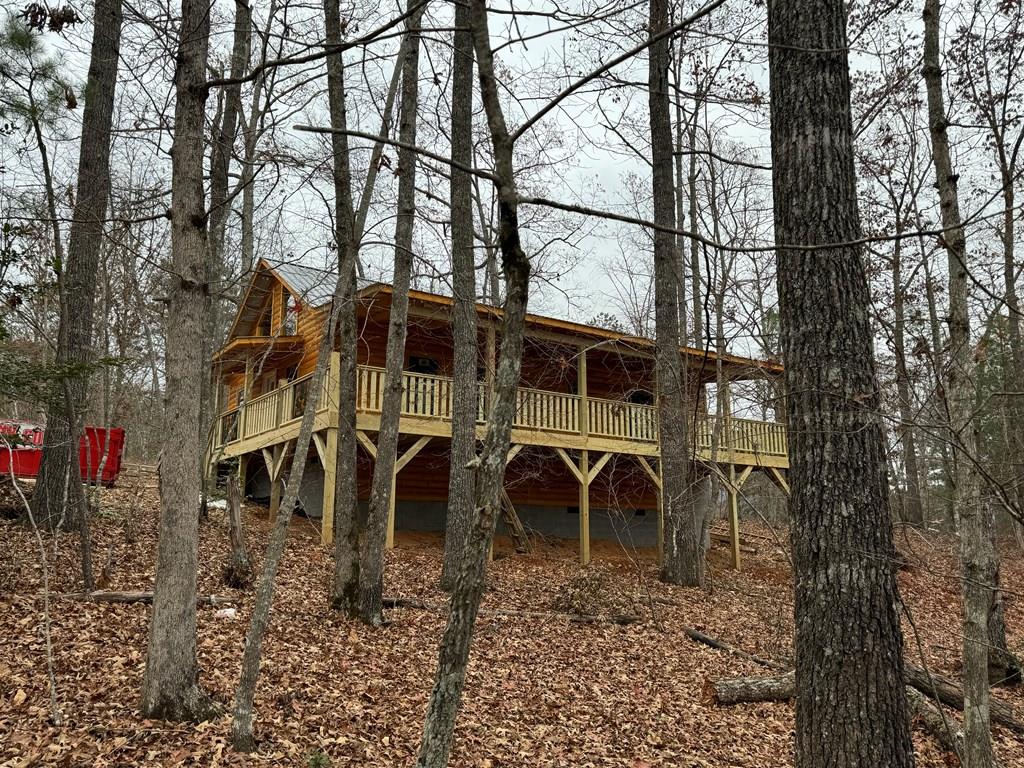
[[263, 326], [290, 322]]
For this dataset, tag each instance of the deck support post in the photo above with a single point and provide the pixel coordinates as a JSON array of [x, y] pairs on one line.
[[734, 517], [328, 449], [275, 459], [584, 508], [389, 539], [405, 458], [656, 479]]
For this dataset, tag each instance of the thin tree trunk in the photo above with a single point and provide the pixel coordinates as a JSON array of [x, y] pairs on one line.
[[913, 511], [938, 367], [79, 273], [170, 688], [453, 654], [345, 582], [223, 142], [242, 737], [851, 706], [461, 492], [694, 224], [1015, 377], [976, 552], [371, 567], [683, 558]]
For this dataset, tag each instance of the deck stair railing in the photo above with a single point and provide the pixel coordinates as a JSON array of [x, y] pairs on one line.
[[427, 396]]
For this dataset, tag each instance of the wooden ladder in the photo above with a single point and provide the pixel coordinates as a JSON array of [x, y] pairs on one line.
[[515, 525]]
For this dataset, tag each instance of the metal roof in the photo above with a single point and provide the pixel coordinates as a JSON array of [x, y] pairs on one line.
[[314, 286]]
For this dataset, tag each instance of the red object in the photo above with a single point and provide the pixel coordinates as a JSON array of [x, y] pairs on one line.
[[96, 443]]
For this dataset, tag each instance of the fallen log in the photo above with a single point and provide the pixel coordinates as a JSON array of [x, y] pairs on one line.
[[948, 692], [932, 720], [741, 690], [101, 596], [745, 690]]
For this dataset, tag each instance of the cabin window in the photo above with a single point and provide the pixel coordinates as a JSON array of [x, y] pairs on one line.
[[426, 365], [263, 326], [290, 322]]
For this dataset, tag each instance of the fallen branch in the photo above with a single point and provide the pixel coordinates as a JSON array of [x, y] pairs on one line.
[[741, 690], [947, 691], [935, 722], [720, 645], [419, 605], [137, 597]]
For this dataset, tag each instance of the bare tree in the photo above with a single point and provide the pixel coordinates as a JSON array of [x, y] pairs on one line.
[[453, 654], [683, 558], [371, 566], [464, 331], [78, 279], [170, 688], [851, 703], [344, 592]]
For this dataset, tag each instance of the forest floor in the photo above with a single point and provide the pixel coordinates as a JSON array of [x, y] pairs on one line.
[[541, 690]]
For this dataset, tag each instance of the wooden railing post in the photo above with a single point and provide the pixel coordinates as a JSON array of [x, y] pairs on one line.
[[581, 391]]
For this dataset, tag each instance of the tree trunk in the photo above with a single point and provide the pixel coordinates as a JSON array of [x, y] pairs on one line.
[[371, 567], [345, 582], [976, 550], [242, 737], [464, 388], [851, 705], [1015, 374], [59, 464], [238, 572], [170, 688], [912, 509], [453, 655], [223, 141], [683, 558]]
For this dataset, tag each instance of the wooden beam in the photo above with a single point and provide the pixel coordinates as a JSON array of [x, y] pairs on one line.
[[513, 452], [367, 443], [743, 477], [581, 391], [598, 466], [655, 477], [780, 479], [410, 454], [389, 538], [329, 458], [734, 517], [583, 475], [571, 465], [321, 448]]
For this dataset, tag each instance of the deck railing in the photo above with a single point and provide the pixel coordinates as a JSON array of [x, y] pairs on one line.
[[426, 396]]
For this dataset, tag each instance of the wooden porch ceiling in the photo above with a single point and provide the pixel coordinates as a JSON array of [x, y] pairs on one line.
[[233, 355]]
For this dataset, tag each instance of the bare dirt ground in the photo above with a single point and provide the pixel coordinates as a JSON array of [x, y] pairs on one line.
[[541, 691]]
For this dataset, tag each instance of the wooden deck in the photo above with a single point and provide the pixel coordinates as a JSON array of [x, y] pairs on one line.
[[543, 418]]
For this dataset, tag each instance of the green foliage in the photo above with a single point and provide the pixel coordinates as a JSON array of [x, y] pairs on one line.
[[32, 86], [318, 760]]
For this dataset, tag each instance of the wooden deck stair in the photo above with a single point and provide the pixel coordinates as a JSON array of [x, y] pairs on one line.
[[510, 517]]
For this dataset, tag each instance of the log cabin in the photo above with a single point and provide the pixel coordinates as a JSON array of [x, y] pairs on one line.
[[584, 450]]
